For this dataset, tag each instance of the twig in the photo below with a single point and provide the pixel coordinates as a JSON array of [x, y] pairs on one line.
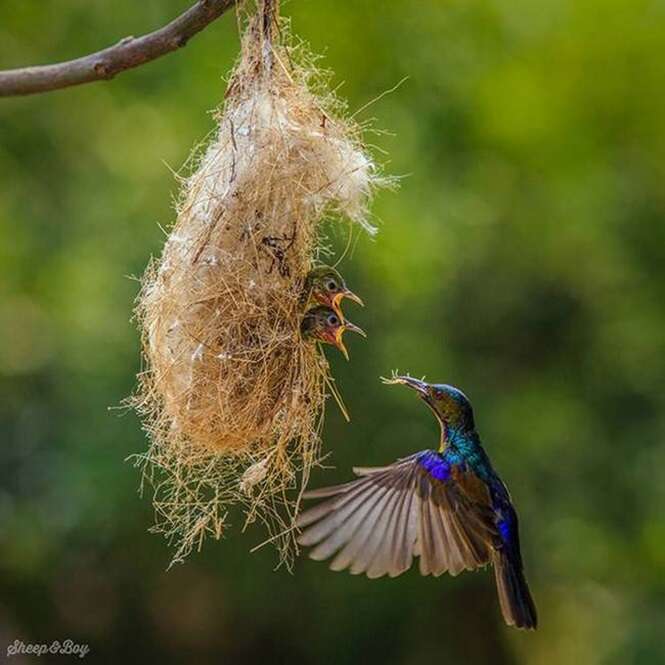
[[128, 53]]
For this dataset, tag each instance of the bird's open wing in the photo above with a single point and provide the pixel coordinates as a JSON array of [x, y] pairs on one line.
[[419, 506]]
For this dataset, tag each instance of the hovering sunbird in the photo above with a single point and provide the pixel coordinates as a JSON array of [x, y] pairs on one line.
[[447, 506], [325, 325], [326, 286]]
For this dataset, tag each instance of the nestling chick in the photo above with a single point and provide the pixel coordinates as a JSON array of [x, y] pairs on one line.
[[325, 325], [326, 286]]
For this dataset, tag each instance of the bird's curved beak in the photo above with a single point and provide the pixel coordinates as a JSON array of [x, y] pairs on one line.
[[347, 293], [337, 300], [339, 343], [420, 387], [423, 389]]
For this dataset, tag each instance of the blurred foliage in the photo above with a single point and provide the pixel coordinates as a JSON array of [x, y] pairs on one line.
[[523, 260]]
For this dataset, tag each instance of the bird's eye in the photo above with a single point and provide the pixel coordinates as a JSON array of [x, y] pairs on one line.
[[331, 285], [333, 320]]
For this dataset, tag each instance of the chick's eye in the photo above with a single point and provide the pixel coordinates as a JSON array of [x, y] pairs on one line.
[[333, 320], [331, 285]]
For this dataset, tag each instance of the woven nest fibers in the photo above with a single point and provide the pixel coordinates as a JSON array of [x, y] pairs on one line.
[[232, 396]]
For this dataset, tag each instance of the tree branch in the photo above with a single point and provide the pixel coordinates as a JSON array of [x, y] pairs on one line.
[[128, 53]]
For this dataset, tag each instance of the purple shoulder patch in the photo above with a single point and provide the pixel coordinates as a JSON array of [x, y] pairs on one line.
[[435, 465]]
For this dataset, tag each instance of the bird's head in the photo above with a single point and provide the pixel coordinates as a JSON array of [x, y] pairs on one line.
[[327, 287], [449, 404], [325, 325]]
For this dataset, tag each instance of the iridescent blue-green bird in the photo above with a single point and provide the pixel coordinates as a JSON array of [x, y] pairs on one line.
[[447, 506]]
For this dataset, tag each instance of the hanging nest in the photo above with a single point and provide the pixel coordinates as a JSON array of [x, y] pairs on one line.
[[232, 397]]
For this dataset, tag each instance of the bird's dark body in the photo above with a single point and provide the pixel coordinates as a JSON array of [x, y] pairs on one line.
[[448, 507], [465, 458]]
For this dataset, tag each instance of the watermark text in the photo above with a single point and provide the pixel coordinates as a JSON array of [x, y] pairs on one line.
[[64, 648]]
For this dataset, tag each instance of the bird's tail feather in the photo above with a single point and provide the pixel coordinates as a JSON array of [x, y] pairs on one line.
[[515, 599]]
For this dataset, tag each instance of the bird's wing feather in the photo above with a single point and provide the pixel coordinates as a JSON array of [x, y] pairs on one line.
[[419, 506]]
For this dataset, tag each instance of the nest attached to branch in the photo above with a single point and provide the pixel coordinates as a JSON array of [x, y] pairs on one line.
[[232, 397]]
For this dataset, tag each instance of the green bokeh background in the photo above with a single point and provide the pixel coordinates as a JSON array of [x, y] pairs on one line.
[[523, 259]]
